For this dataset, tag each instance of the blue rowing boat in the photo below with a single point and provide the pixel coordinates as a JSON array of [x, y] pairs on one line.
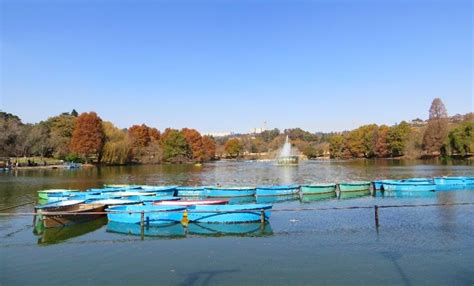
[[153, 215], [229, 213], [283, 190], [160, 190], [453, 180], [151, 198], [227, 192], [377, 184], [406, 186], [192, 191]]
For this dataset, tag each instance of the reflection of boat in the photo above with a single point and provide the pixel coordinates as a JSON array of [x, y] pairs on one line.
[[44, 194], [318, 189], [230, 229], [70, 215], [409, 186], [191, 202], [229, 213], [226, 192], [153, 215], [276, 199], [277, 190], [173, 230], [241, 200], [354, 186], [59, 234], [317, 197], [353, 194], [453, 187]]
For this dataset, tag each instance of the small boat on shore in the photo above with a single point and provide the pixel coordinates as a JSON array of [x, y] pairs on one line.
[[153, 215], [407, 186], [45, 194], [318, 189], [356, 186], [191, 202], [283, 190], [226, 192], [229, 213], [73, 214]]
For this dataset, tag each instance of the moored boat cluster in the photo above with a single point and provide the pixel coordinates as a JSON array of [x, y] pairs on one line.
[[164, 205]]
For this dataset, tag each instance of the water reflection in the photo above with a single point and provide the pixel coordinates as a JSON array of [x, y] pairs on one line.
[[352, 195], [277, 199], [177, 230], [61, 234], [317, 197]]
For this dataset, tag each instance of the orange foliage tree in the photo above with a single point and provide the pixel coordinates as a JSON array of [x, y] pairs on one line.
[[88, 136], [141, 135], [194, 140], [209, 147]]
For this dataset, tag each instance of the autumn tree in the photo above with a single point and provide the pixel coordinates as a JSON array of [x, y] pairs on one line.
[[194, 140], [336, 146], [145, 143], [10, 129], [209, 147], [381, 146], [175, 147], [88, 136], [437, 129], [233, 147]]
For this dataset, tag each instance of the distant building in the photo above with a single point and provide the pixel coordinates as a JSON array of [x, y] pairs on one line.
[[219, 134]]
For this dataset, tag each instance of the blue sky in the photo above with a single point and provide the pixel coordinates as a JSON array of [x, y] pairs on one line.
[[231, 65]]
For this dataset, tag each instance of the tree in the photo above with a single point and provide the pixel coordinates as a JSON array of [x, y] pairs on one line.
[[336, 146], [233, 147], [175, 147], [436, 131], [194, 140], [145, 145], [461, 139], [74, 113], [209, 147], [61, 128], [10, 130], [117, 149], [311, 152], [382, 148], [88, 136], [397, 138]]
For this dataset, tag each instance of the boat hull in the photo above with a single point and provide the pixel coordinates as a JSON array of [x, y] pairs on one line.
[[354, 187], [409, 187], [229, 213], [153, 215], [45, 194], [318, 189], [229, 192], [278, 190], [72, 216], [458, 181]]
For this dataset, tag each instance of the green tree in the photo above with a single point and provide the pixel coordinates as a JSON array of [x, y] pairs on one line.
[[175, 147], [117, 149], [461, 139], [311, 152], [61, 128], [397, 138], [10, 131], [233, 147]]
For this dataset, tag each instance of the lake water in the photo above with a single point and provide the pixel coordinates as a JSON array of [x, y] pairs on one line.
[[413, 246]]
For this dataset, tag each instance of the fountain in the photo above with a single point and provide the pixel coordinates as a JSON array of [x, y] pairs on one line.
[[286, 157]]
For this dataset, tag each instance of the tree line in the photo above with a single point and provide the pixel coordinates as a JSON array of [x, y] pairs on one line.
[[87, 138], [439, 136]]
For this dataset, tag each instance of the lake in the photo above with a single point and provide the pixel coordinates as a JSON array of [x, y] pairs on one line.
[[412, 246]]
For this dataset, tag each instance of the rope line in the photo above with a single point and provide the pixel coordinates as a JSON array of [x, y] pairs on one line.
[[236, 211]]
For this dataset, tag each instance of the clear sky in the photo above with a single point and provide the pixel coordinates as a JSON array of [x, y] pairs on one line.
[[231, 65]]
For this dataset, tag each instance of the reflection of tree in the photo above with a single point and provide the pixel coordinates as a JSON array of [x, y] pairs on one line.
[[446, 213], [205, 276]]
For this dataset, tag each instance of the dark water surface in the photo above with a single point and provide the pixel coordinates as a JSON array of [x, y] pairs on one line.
[[413, 246]]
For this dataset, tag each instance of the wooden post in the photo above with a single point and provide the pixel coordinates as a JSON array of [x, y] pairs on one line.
[[376, 210], [262, 216], [142, 225]]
